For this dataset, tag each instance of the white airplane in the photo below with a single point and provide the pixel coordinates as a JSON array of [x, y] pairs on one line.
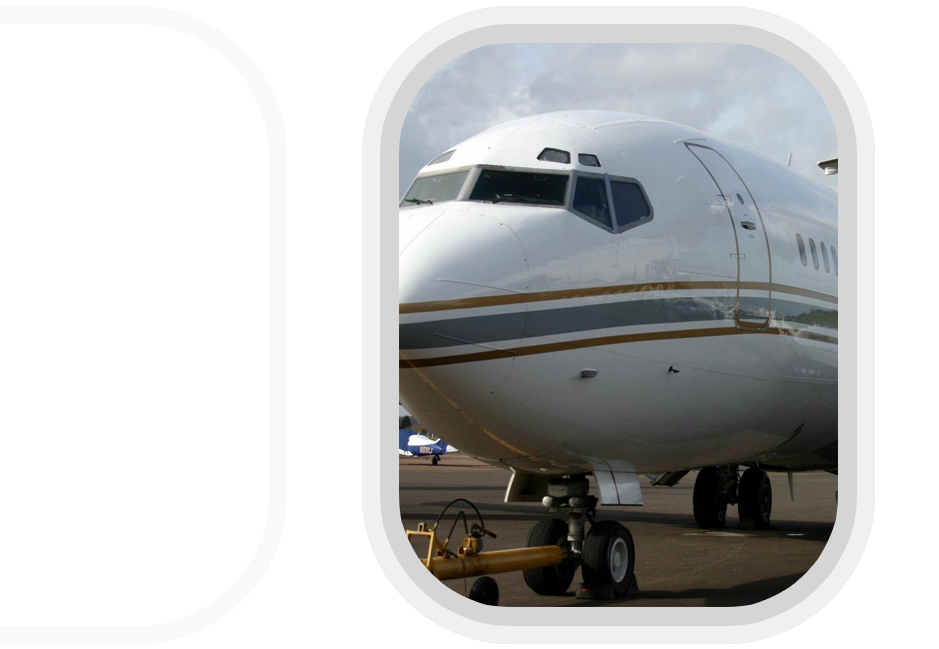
[[590, 292]]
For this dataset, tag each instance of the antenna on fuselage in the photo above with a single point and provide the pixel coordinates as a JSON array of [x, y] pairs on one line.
[[789, 159]]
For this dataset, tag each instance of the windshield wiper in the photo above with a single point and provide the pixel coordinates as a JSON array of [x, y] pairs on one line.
[[418, 201]]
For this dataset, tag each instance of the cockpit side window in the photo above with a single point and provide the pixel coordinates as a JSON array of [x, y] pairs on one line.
[[443, 157], [588, 159], [497, 186], [629, 204], [590, 199], [427, 190], [555, 155], [802, 249]]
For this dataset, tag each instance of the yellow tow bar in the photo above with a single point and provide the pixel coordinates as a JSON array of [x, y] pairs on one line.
[[468, 562]]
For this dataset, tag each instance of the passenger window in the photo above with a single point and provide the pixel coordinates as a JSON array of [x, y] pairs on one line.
[[629, 204], [591, 201], [825, 256], [555, 155], [801, 243], [834, 258], [814, 252]]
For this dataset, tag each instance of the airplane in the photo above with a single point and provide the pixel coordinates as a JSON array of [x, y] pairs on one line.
[[413, 444], [416, 444], [590, 292]]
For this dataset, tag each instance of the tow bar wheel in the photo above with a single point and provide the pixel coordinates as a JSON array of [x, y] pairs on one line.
[[609, 556], [485, 590]]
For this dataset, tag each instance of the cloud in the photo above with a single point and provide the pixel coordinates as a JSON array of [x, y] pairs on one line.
[[736, 91]]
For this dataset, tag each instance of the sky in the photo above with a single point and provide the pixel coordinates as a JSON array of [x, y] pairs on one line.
[[737, 91]]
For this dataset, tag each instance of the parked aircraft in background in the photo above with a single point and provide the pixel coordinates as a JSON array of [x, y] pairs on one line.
[[415, 444]]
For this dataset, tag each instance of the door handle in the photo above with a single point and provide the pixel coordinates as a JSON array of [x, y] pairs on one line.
[[748, 225]]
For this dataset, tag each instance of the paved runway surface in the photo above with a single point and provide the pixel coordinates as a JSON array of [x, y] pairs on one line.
[[676, 563]]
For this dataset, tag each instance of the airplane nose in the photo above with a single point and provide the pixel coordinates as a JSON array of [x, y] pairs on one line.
[[453, 279], [454, 256]]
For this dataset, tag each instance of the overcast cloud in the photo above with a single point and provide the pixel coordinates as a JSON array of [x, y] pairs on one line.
[[740, 92]]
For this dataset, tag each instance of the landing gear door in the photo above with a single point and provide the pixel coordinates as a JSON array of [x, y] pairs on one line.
[[754, 276]]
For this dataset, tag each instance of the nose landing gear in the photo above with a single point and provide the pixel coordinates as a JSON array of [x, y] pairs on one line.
[[550, 580], [609, 560], [606, 554], [555, 548]]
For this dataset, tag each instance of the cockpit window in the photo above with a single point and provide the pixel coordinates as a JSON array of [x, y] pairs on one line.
[[588, 159], [443, 157], [591, 201], [555, 155], [435, 189], [629, 203], [520, 187]]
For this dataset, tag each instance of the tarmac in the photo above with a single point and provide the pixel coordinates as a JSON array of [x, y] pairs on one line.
[[677, 564]]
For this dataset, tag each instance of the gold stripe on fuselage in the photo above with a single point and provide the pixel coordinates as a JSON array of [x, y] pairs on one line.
[[568, 294], [606, 340]]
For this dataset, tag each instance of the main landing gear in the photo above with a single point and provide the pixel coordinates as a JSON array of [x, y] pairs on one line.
[[717, 487]]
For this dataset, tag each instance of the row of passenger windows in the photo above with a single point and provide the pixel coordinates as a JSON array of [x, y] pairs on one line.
[[814, 251]]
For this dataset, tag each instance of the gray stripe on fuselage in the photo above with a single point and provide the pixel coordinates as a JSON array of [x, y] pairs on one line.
[[552, 322]]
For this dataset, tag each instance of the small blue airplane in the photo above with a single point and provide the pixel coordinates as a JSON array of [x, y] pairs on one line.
[[412, 444]]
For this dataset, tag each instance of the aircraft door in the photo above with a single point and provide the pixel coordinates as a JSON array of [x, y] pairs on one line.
[[754, 275]]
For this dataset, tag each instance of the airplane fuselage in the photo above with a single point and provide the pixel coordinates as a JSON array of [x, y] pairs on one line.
[[675, 307]]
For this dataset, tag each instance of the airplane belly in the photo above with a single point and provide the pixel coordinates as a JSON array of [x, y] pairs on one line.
[[636, 409]]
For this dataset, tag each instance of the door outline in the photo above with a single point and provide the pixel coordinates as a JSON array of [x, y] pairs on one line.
[[742, 324]]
